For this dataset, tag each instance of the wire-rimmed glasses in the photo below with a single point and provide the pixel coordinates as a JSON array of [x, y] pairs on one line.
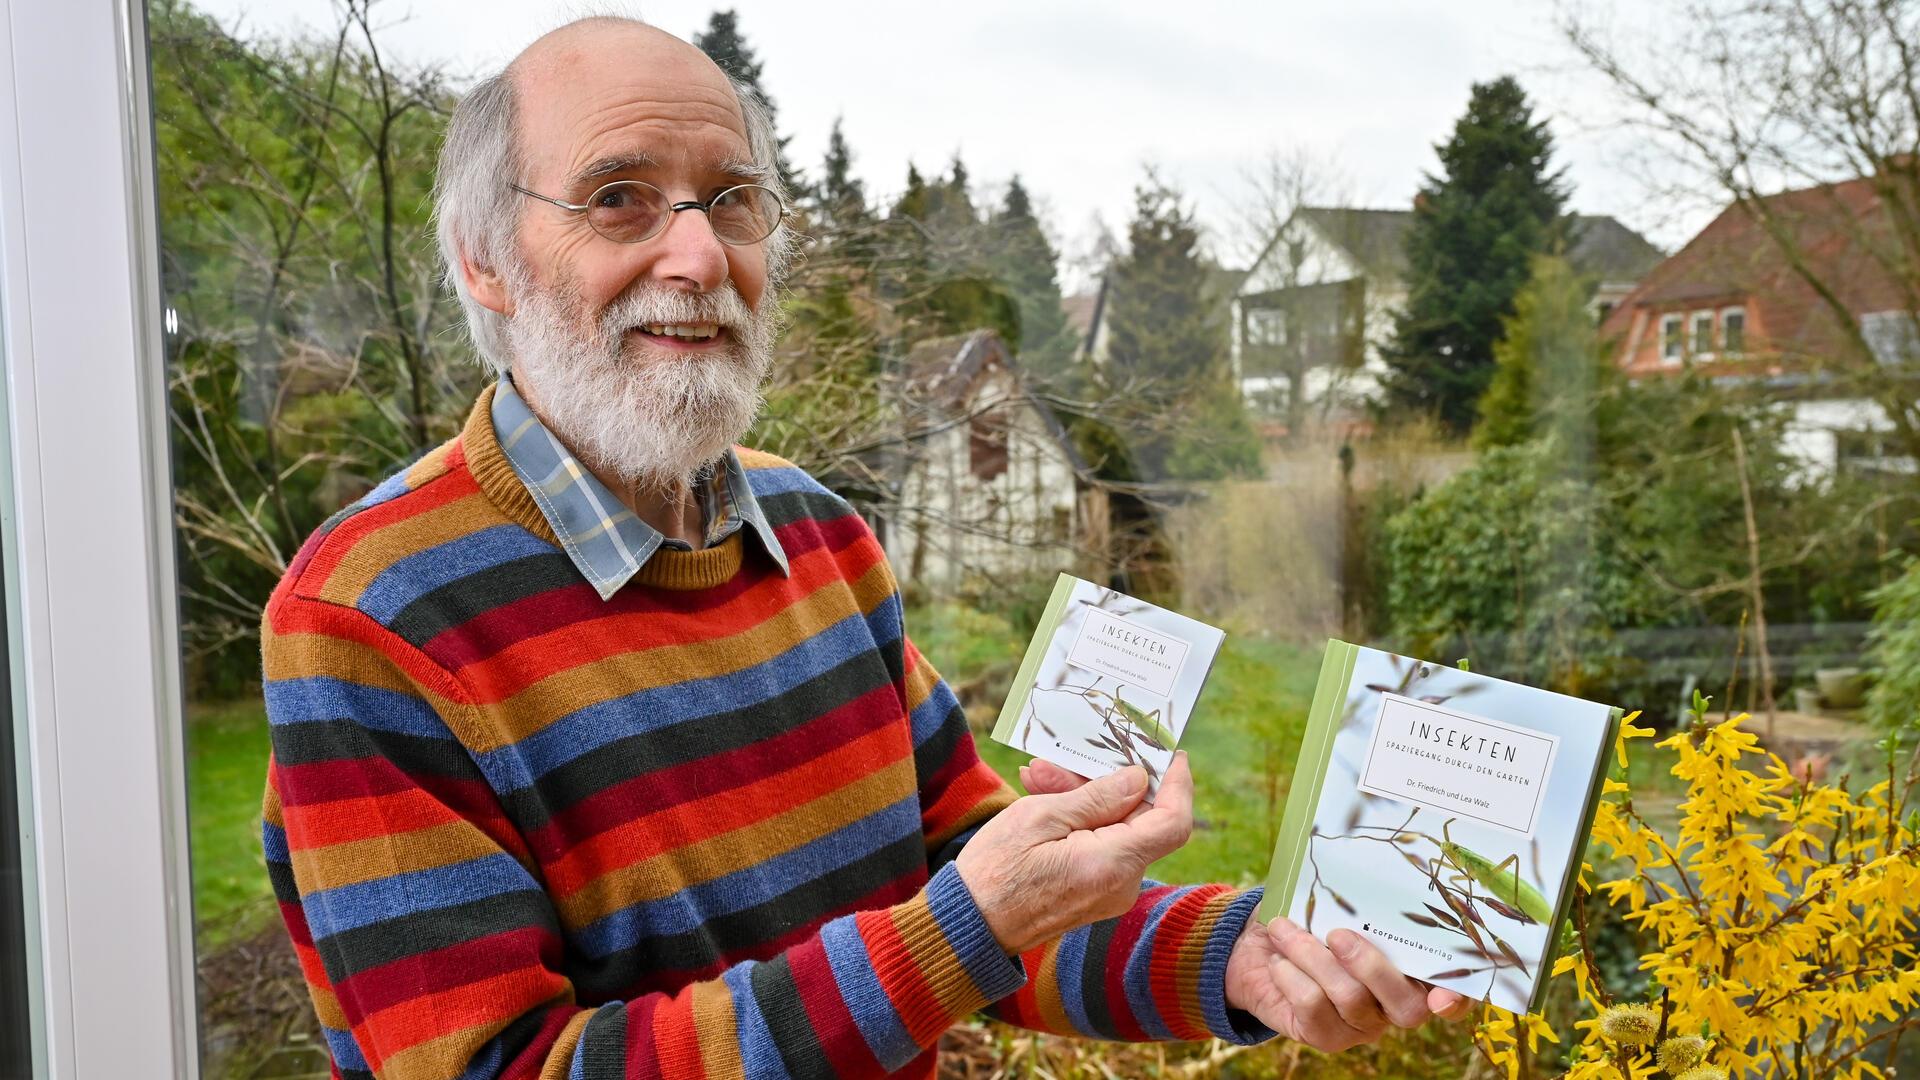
[[630, 211]]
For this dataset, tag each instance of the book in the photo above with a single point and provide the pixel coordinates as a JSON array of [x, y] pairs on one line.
[[1107, 681], [1442, 815]]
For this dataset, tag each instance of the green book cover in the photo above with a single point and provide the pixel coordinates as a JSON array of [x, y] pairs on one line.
[[1108, 681], [1443, 815]]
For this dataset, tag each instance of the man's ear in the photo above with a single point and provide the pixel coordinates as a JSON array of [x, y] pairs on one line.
[[487, 286]]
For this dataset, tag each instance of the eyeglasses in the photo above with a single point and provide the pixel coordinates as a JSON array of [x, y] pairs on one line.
[[630, 211]]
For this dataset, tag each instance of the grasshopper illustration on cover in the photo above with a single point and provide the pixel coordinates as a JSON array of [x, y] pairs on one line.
[[1512, 897]]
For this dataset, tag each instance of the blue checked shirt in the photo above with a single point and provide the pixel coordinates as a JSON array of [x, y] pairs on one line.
[[603, 538]]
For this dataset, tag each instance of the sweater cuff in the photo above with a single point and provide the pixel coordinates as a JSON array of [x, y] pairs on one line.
[[1232, 1025], [994, 973]]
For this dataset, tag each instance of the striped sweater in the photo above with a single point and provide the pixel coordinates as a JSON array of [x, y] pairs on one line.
[[702, 828]]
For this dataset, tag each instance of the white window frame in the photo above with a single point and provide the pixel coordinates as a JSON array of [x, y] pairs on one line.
[[1695, 319], [88, 537], [1726, 346], [1673, 338]]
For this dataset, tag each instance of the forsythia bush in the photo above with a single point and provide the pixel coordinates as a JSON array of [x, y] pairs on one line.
[[1783, 915]]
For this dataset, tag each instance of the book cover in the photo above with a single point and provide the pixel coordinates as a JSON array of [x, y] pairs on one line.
[[1108, 681], [1443, 815]]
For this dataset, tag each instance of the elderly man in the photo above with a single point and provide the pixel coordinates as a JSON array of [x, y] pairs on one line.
[[599, 749]]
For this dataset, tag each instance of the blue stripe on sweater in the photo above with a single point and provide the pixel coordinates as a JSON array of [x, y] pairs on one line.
[[759, 1055], [517, 765], [321, 697], [346, 1053], [873, 1012], [407, 579], [1067, 974], [782, 479], [347, 907], [688, 908], [1138, 980]]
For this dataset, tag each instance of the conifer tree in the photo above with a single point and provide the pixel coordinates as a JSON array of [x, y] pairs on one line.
[[1476, 227], [1550, 366], [1026, 265], [726, 46], [1168, 349]]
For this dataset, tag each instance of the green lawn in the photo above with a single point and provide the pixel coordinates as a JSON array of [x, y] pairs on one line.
[[226, 771]]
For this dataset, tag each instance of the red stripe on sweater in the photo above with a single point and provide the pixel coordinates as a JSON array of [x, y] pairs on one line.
[[846, 1050], [1126, 934], [1173, 937], [444, 969], [676, 1044], [443, 489], [643, 838], [663, 789]]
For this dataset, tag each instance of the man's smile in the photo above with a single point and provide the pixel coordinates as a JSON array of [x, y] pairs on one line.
[[691, 337]]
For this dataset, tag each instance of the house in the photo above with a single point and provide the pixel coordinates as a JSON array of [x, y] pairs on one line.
[[1732, 304], [987, 485], [1311, 313]]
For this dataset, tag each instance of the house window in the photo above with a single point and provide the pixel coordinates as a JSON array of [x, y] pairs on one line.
[[1702, 344], [1671, 343], [1733, 331], [1266, 326], [987, 446]]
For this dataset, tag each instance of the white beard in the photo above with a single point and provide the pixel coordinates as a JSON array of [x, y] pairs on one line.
[[656, 420]]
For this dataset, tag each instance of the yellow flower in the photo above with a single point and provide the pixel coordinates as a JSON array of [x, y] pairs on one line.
[[1703, 1072], [1628, 731], [1682, 1052], [1630, 1025]]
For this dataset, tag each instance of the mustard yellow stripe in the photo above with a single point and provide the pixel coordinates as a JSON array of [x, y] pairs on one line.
[[760, 459], [532, 709], [669, 872], [356, 861], [327, 1007], [270, 810], [714, 1023], [431, 465], [933, 955], [300, 655], [920, 680], [1046, 993], [373, 553], [559, 1063]]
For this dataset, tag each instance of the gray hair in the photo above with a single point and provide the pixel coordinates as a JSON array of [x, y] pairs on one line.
[[477, 215]]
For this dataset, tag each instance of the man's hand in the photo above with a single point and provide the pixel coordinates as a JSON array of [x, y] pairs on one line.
[[1055, 862], [1329, 998]]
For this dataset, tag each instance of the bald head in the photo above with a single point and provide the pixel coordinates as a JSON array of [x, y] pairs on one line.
[[595, 100]]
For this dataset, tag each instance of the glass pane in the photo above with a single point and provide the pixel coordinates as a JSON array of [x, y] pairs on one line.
[[16, 1049], [1394, 352]]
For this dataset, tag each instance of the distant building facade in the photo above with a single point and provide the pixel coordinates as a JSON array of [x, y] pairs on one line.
[[1311, 314], [1731, 304]]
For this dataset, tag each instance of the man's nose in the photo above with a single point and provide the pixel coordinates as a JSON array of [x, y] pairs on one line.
[[688, 253]]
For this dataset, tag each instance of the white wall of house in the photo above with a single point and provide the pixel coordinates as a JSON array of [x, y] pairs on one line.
[[1815, 431], [951, 527]]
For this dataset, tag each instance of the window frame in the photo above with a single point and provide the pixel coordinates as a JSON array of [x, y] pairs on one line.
[[1695, 321], [1673, 337], [1728, 346], [110, 904]]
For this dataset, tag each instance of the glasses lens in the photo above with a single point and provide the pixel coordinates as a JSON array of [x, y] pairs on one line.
[[627, 211], [745, 215]]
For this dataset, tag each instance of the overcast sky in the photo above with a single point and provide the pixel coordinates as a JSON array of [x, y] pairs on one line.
[[1077, 97]]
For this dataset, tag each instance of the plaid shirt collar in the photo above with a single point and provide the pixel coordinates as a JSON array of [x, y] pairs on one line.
[[606, 542]]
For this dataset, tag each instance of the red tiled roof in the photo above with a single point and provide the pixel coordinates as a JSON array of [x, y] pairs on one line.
[[1842, 230]]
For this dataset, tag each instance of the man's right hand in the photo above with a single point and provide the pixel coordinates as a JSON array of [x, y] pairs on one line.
[[1052, 863]]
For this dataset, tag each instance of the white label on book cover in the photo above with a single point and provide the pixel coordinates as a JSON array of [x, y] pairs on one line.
[[1129, 652], [1459, 764]]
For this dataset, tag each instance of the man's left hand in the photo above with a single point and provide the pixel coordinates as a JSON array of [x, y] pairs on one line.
[[1330, 998]]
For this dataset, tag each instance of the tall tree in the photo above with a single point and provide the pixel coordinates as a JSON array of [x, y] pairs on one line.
[[723, 42], [1551, 369], [840, 198], [937, 265], [1025, 263], [1167, 350], [1496, 204]]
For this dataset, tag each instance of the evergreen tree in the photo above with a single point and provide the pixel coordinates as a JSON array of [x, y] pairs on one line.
[[1550, 367], [840, 198], [1475, 229], [937, 270], [1167, 353], [1025, 264], [726, 46]]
